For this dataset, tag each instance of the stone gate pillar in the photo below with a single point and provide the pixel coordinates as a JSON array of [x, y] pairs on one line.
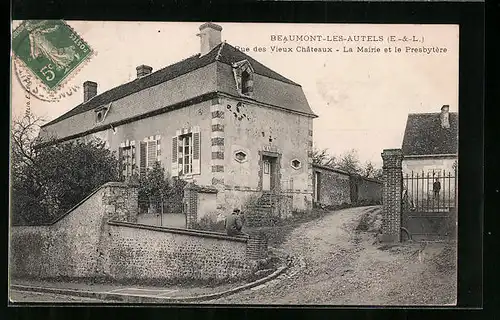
[[391, 195], [257, 246], [190, 202]]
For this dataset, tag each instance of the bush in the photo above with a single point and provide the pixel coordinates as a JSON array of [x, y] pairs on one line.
[[156, 189], [47, 181], [208, 223]]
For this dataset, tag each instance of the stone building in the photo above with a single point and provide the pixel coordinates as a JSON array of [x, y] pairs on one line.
[[430, 141], [218, 118], [430, 154]]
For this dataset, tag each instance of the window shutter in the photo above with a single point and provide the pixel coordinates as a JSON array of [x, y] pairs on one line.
[[152, 155], [143, 157], [174, 170], [120, 161], [196, 150]]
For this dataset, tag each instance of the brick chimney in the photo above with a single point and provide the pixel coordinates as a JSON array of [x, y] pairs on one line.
[[445, 116], [143, 70], [210, 37], [89, 90]]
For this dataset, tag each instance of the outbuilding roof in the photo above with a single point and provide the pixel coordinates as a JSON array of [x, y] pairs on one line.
[[424, 135]]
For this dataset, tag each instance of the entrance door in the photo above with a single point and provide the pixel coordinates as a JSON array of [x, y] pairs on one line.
[[316, 186], [266, 175]]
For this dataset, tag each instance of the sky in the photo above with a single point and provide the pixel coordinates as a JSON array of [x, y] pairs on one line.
[[362, 99]]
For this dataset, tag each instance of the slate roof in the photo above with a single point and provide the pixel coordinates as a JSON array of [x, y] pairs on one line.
[[424, 135], [224, 53]]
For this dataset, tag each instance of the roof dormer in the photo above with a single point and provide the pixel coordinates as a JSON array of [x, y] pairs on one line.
[[101, 112], [243, 75]]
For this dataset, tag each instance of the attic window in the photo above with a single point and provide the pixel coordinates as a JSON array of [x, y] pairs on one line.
[[101, 113], [296, 164], [243, 73], [99, 116], [240, 156], [245, 78]]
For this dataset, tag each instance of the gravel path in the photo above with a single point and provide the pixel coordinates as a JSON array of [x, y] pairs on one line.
[[342, 266]]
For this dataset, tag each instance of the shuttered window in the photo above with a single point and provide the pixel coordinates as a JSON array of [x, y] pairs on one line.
[[126, 156], [143, 157], [186, 152], [152, 158], [149, 153]]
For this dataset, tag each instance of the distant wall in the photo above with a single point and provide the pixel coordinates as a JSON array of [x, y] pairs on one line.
[[331, 187], [334, 187], [365, 190]]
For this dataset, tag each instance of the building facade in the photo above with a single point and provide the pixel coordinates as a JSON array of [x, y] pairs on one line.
[[218, 118], [430, 153]]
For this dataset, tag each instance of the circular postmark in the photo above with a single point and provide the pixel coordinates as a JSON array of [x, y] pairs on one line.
[[38, 90]]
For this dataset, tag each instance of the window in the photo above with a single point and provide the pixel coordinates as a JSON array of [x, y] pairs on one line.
[[101, 113], [186, 152], [296, 164], [100, 116], [267, 167], [126, 155], [240, 156], [245, 81], [149, 153], [243, 73]]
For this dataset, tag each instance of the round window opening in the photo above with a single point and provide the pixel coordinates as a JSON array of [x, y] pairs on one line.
[[99, 116], [240, 156], [295, 164]]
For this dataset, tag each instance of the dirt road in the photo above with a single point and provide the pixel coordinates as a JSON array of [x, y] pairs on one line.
[[35, 297], [344, 266]]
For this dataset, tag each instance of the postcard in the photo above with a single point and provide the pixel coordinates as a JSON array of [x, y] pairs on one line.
[[233, 163]]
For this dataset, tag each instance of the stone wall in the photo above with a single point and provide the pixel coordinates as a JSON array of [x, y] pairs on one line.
[[173, 255], [199, 202], [70, 246], [365, 191], [334, 187], [100, 238]]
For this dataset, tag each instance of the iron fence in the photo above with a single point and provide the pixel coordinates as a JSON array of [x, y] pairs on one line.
[[431, 191], [160, 206]]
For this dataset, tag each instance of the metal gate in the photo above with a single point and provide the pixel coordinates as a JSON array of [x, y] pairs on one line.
[[429, 204]]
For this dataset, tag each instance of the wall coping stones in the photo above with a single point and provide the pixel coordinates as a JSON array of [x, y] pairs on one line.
[[207, 189], [115, 184], [189, 232]]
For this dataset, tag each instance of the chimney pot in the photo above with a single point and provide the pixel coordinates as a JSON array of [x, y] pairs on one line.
[[89, 90], [445, 116], [210, 37], [143, 70]]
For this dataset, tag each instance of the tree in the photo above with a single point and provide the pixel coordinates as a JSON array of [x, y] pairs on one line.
[[153, 186], [368, 170], [322, 157], [378, 174], [46, 181], [349, 162], [156, 189]]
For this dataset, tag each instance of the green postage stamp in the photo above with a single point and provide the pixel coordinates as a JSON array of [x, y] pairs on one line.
[[50, 49]]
